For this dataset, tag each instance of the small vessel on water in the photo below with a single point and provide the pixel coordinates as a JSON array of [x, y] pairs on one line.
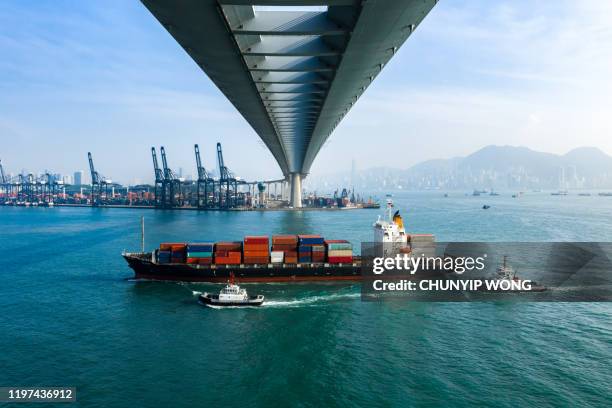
[[231, 295], [486, 207], [508, 281]]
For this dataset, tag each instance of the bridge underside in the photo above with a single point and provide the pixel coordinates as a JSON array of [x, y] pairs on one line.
[[293, 69]]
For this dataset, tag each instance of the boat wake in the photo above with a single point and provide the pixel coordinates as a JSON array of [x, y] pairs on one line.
[[311, 300]]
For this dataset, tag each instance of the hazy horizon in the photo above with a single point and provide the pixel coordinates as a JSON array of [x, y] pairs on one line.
[[107, 78]]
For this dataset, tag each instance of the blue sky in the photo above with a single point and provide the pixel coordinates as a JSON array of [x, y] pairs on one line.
[[104, 76]]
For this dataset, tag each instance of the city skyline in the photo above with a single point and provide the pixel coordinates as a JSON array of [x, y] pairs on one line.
[[82, 77]]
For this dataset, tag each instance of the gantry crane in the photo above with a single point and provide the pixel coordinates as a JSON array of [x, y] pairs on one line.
[[5, 186], [172, 184], [98, 182], [228, 198], [205, 187], [160, 182]]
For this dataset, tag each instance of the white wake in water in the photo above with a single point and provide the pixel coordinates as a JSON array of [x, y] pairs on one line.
[[311, 300]]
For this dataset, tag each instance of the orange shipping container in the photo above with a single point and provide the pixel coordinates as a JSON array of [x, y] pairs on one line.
[[256, 253], [256, 247], [167, 246], [284, 239], [227, 261]]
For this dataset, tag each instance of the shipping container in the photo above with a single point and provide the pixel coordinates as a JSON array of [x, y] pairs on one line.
[[256, 247], [259, 239], [339, 259], [228, 245], [284, 240], [277, 256], [199, 254], [201, 247], [310, 239], [341, 252], [338, 244], [167, 246], [249, 253], [284, 247]]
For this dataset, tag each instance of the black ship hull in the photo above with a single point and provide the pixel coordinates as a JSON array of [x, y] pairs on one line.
[[144, 268]]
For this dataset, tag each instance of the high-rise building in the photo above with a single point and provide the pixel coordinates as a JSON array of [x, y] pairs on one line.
[[78, 178]]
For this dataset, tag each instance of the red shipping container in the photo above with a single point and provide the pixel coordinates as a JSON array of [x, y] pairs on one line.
[[227, 261], [336, 241], [228, 253], [257, 239], [228, 245], [340, 259], [284, 247]]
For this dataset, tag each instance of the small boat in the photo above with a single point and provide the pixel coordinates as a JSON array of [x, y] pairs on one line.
[[231, 295], [560, 193], [506, 273], [486, 207]]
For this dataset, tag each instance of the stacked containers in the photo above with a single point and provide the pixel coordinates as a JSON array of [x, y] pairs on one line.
[[318, 253], [176, 250], [256, 250], [339, 251], [228, 253], [305, 247], [200, 253], [287, 244], [423, 244], [163, 256]]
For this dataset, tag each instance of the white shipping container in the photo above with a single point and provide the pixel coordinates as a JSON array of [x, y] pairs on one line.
[[277, 256]]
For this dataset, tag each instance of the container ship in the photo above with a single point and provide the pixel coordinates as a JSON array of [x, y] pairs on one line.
[[283, 258]]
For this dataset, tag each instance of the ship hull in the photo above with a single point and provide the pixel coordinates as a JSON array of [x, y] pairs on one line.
[[145, 269]]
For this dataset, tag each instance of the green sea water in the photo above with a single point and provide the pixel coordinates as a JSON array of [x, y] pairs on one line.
[[71, 316]]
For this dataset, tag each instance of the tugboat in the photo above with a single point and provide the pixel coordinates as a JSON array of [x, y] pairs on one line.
[[231, 295], [505, 272]]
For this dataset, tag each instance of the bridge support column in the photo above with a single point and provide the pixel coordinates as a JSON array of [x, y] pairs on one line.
[[296, 190]]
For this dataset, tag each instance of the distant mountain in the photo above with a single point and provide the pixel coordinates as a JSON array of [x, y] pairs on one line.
[[492, 167]]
